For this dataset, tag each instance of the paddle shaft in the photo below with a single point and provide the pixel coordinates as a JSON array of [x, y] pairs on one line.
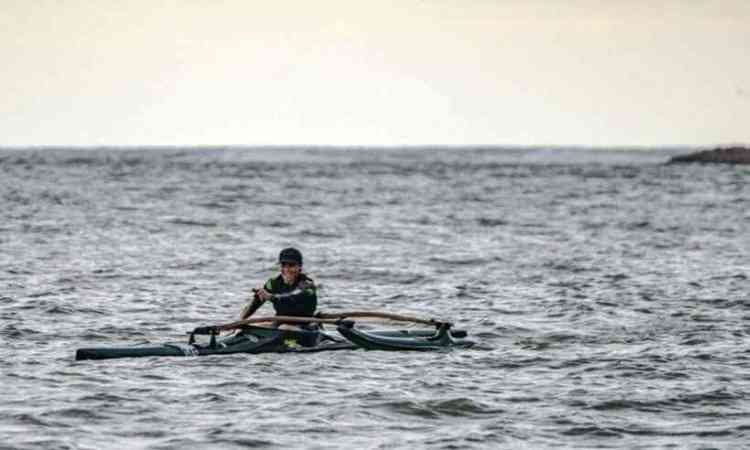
[[282, 319]]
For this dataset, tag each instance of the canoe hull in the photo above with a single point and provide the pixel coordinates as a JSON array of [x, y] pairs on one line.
[[252, 340]]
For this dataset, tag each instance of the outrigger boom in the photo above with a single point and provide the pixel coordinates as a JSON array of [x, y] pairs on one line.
[[330, 318]]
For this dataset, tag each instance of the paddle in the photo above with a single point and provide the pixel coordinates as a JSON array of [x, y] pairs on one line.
[[361, 314], [215, 329], [341, 315]]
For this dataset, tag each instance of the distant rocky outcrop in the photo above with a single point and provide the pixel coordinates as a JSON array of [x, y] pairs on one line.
[[728, 155]]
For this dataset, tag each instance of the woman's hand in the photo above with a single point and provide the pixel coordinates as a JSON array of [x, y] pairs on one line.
[[263, 294]]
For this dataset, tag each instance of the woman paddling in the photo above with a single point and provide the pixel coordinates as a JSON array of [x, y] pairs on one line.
[[292, 292]]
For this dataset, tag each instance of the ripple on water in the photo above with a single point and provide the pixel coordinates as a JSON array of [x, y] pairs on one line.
[[75, 413], [433, 409], [34, 420]]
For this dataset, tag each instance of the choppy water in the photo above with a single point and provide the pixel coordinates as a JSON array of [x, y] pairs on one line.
[[609, 293]]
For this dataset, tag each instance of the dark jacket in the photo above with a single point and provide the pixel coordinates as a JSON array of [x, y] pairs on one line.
[[302, 302]]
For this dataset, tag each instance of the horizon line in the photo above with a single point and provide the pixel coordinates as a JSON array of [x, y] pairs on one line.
[[366, 147]]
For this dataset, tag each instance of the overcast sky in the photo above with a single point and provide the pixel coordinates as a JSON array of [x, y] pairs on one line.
[[404, 72]]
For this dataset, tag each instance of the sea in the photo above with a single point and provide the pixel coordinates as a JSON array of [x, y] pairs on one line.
[[606, 290]]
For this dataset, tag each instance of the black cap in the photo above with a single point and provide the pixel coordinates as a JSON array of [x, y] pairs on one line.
[[290, 255]]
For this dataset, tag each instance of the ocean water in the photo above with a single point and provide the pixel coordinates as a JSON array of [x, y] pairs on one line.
[[608, 293]]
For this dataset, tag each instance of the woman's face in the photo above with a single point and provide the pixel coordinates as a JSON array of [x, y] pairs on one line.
[[289, 272]]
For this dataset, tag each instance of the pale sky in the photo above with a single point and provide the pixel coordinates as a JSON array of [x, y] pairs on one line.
[[406, 72]]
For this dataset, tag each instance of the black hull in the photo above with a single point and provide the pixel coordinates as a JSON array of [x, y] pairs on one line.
[[251, 341]]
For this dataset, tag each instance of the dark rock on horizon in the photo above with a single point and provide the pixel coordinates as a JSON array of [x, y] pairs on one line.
[[729, 155]]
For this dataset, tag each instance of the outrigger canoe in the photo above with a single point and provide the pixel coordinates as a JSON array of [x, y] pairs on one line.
[[254, 339]]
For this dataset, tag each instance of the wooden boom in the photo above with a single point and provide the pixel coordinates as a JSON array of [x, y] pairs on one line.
[[334, 318]]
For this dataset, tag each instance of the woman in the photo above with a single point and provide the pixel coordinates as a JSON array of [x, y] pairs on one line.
[[292, 292]]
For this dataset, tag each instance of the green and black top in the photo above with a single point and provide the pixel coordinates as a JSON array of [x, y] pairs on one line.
[[301, 298]]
